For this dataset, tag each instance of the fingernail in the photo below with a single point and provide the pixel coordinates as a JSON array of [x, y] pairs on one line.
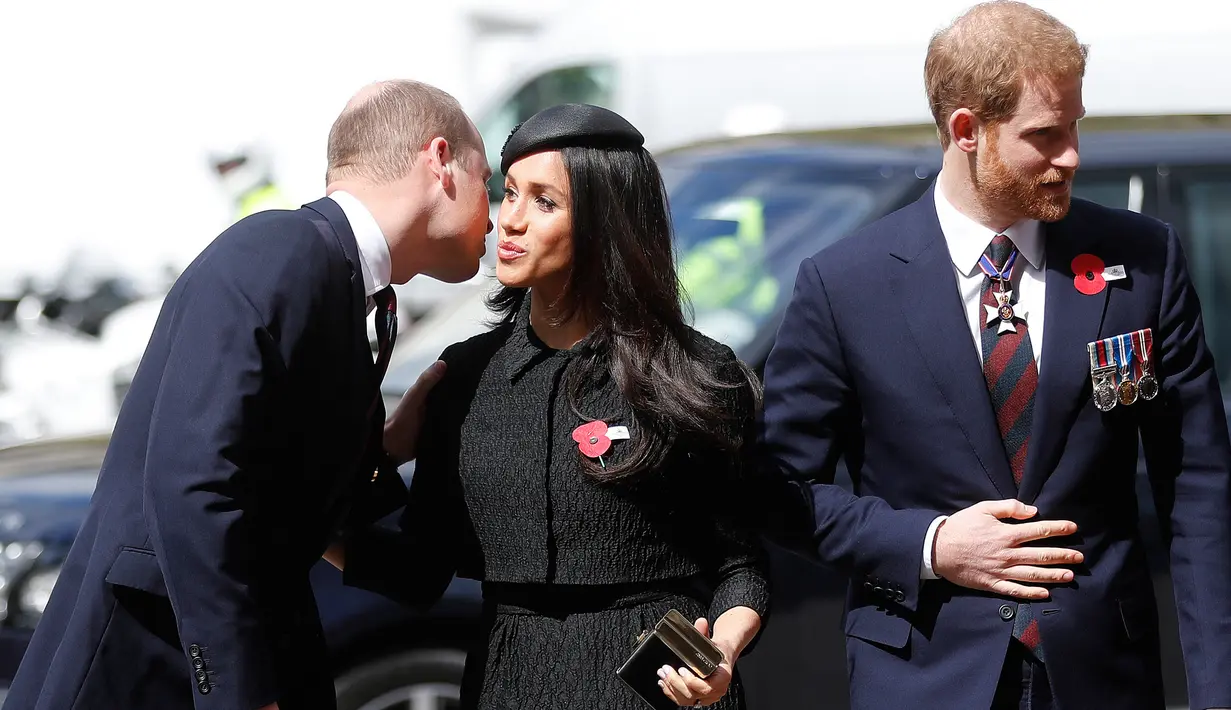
[[661, 684], [662, 673]]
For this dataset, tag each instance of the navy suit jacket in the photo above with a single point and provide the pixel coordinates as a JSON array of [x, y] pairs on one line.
[[237, 450], [875, 362]]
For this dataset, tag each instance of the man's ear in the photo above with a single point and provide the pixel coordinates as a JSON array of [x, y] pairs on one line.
[[440, 161], [964, 127]]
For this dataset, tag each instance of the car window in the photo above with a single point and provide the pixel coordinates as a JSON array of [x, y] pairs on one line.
[[1125, 190], [1205, 197], [588, 84], [742, 227]]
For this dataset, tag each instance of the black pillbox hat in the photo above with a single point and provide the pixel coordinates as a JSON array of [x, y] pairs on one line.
[[566, 125]]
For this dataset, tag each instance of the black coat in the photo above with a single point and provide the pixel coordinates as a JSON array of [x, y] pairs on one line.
[[499, 493]]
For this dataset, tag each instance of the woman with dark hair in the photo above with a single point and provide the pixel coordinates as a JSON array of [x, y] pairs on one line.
[[583, 459]]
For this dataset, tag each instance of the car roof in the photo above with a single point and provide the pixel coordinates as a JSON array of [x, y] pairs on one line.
[[801, 148], [53, 454], [1195, 147], [1105, 148]]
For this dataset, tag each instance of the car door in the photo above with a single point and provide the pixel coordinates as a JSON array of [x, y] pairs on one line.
[[1128, 188], [1198, 204]]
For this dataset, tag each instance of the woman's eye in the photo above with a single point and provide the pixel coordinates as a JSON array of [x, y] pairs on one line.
[[545, 203], [508, 193]]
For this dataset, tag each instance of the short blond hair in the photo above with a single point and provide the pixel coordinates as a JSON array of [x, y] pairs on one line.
[[384, 127], [984, 60]]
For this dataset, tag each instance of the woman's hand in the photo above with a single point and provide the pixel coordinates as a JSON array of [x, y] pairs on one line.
[[685, 688], [402, 427]]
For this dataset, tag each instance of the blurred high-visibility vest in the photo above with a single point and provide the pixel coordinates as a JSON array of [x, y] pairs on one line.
[[729, 271], [263, 197]]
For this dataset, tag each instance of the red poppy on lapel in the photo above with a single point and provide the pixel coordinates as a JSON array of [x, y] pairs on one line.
[[1088, 274], [592, 439]]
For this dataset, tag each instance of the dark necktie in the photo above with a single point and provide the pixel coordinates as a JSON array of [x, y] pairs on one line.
[[1012, 377], [386, 333]]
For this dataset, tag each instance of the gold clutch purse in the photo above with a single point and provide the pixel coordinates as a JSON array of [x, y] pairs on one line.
[[674, 642]]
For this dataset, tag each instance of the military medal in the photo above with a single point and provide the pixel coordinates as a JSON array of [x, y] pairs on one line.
[[1147, 384], [1004, 310], [1103, 373], [1122, 347]]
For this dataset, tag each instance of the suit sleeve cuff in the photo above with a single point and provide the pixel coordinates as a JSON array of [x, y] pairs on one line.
[[925, 569], [374, 561]]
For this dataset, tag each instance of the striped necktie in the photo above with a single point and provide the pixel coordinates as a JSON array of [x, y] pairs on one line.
[[1012, 377]]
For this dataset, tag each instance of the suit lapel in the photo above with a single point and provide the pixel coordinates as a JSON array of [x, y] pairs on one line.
[[340, 495], [925, 286], [1072, 319], [345, 236]]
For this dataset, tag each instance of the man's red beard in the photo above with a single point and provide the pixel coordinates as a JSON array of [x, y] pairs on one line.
[[1009, 192]]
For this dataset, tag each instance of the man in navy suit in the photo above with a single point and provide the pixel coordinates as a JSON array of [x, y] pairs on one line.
[[252, 431], [986, 359]]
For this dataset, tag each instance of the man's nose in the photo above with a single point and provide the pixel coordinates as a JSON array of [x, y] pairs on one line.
[[1069, 158]]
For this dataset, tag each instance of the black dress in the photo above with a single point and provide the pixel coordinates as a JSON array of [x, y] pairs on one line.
[[572, 569]]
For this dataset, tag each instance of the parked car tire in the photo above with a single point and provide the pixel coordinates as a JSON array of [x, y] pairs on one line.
[[415, 680]]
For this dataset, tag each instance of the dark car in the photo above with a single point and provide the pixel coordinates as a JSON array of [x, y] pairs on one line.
[[385, 657]]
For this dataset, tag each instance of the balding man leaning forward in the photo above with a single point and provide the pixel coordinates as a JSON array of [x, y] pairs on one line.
[[252, 428]]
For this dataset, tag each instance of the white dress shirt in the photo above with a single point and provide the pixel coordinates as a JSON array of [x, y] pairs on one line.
[[374, 259], [967, 240]]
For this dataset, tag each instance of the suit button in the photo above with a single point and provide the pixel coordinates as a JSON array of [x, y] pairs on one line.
[[203, 687], [867, 586], [878, 590], [200, 675], [198, 663], [1006, 612], [900, 596], [194, 650]]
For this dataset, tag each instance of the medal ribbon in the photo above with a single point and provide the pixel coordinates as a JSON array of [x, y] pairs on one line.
[[1144, 339], [1002, 274], [1121, 352], [1125, 343], [1101, 356]]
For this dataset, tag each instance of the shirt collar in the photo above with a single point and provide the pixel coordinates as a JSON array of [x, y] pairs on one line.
[[374, 259], [967, 239], [524, 349]]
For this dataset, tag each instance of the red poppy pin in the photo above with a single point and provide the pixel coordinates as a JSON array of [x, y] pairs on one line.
[[1088, 274], [592, 440]]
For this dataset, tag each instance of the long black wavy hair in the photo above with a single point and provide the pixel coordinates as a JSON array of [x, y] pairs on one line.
[[623, 283]]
